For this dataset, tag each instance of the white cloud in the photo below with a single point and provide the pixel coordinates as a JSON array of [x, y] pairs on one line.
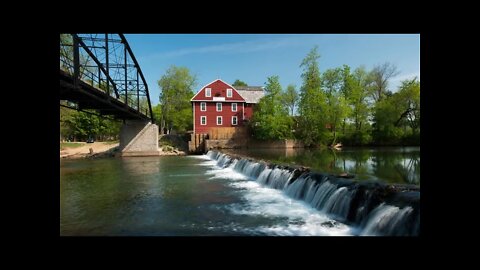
[[239, 47]]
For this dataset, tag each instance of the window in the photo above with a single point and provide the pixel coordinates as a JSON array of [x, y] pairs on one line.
[[234, 120], [229, 92], [219, 107], [234, 107], [203, 120], [219, 120], [208, 92], [203, 106]]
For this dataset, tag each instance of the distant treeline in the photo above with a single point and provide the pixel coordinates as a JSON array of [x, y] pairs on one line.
[[340, 105], [80, 126]]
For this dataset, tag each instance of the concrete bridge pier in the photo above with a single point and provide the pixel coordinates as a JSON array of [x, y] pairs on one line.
[[139, 138]]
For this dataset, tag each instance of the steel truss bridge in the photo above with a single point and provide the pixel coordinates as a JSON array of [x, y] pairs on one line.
[[100, 72]]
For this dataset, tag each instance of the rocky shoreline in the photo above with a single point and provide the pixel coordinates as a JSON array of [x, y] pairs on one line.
[[113, 152]]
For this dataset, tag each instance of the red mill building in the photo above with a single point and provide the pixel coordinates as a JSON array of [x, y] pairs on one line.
[[222, 111]]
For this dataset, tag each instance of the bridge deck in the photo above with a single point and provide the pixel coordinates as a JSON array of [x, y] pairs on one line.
[[90, 97]]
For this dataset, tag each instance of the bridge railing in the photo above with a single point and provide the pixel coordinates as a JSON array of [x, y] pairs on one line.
[[106, 62]]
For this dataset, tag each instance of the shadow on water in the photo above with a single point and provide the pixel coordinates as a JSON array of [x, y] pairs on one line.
[[387, 164]]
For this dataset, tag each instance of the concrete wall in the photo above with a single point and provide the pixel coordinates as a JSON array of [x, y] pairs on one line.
[[139, 138], [274, 144], [197, 143], [250, 143], [224, 144]]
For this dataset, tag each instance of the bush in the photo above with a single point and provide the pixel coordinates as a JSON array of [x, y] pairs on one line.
[[356, 138], [411, 139], [167, 148]]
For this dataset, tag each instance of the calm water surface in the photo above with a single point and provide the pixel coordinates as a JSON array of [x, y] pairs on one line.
[[387, 164]]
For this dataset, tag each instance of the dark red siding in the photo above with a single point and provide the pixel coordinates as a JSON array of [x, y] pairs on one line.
[[212, 114], [249, 110], [219, 89]]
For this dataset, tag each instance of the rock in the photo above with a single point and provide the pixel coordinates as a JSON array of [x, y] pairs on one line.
[[345, 175], [329, 224]]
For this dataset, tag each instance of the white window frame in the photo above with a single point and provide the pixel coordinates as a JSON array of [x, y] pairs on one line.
[[208, 92], [201, 117], [236, 120], [221, 106], [243, 111], [221, 120], [205, 104], [229, 90], [236, 106]]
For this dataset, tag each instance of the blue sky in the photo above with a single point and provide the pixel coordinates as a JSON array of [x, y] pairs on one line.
[[254, 57]]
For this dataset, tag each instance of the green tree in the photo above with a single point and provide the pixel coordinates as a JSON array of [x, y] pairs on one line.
[[386, 113], [176, 91], [66, 58], [357, 89], [65, 114], [270, 119], [290, 98], [409, 100], [239, 83], [84, 125], [380, 75], [312, 105], [337, 109], [332, 81], [397, 117], [66, 53], [143, 103], [157, 113], [78, 125]]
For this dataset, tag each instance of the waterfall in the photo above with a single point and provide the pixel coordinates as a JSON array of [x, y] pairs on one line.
[[388, 220], [324, 196], [375, 208], [275, 178]]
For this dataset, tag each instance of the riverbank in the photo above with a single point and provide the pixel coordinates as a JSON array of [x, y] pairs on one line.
[[98, 149], [105, 149]]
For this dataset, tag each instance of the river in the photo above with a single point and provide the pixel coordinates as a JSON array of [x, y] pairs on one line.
[[180, 196]]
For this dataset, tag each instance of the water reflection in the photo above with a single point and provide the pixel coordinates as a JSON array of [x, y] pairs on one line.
[[141, 165], [141, 196], [388, 164]]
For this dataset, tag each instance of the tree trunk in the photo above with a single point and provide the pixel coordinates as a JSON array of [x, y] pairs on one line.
[[334, 136], [334, 128], [162, 126], [356, 124]]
